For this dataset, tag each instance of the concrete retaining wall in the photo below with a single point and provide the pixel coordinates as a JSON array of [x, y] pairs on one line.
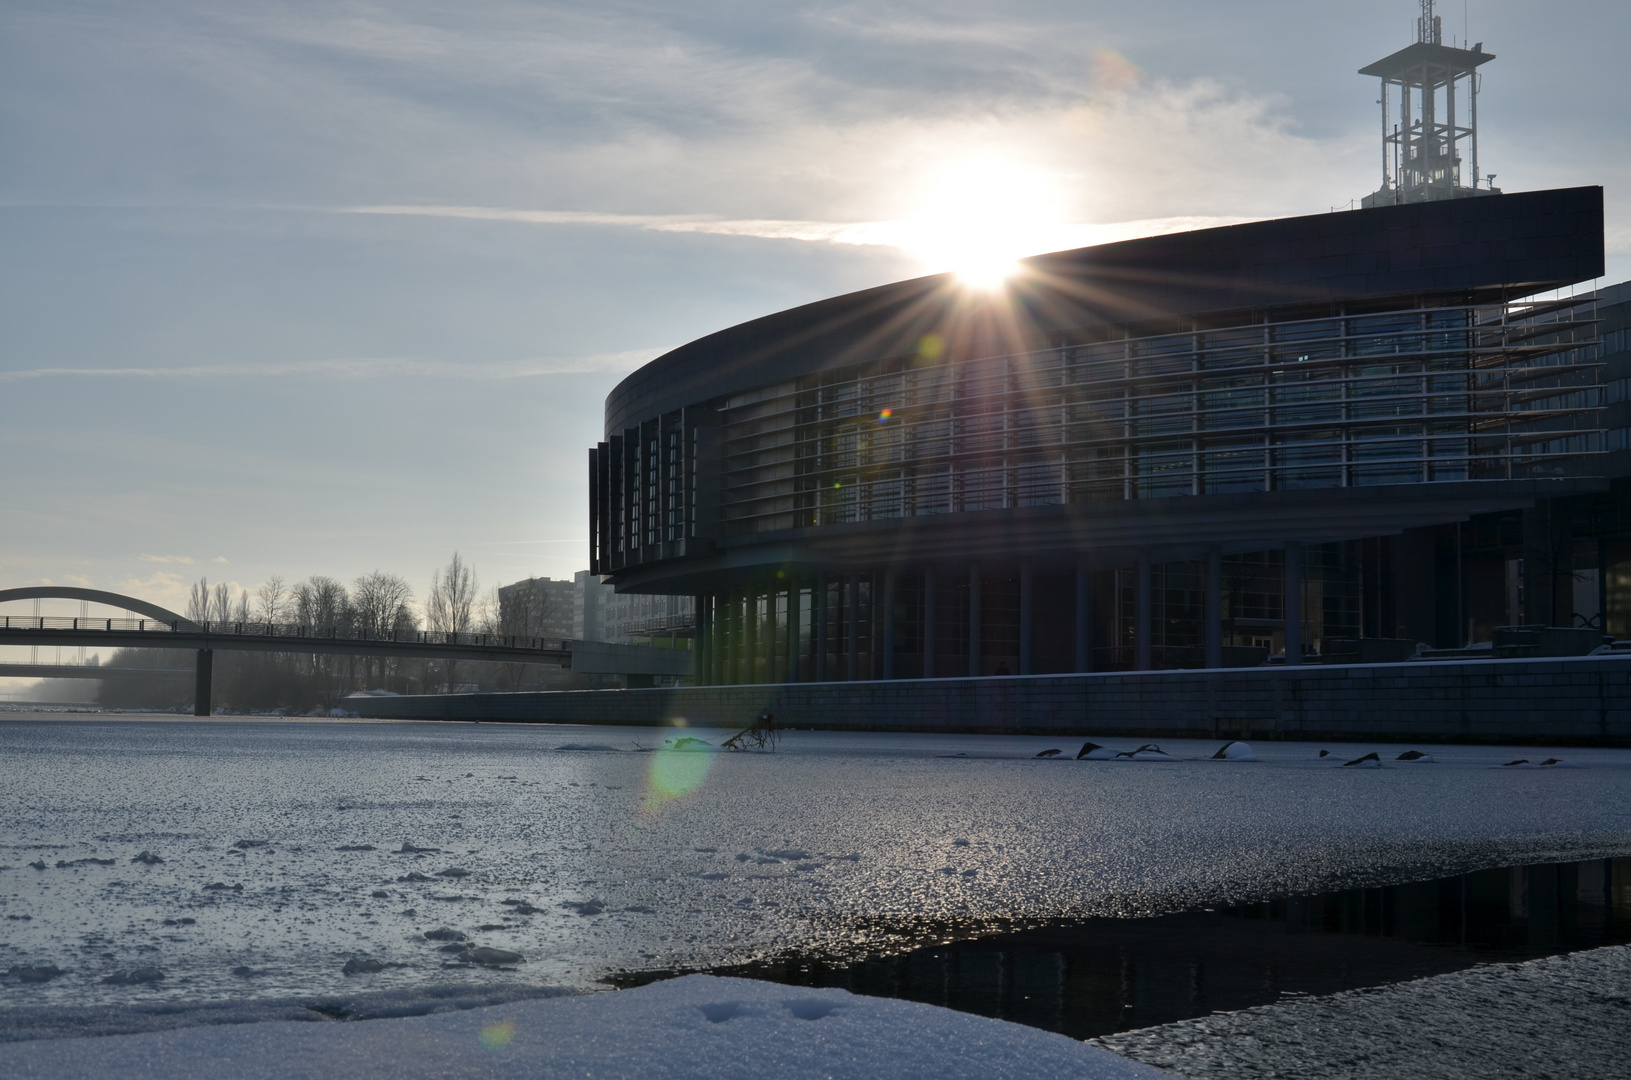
[[1578, 700]]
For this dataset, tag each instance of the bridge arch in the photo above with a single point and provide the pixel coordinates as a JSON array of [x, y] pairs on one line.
[[95, 596]]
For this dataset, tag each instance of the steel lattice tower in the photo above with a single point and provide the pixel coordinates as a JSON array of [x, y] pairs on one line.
[[1430, 139]]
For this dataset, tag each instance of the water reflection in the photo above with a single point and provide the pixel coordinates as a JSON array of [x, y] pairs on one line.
[[1104, 975]]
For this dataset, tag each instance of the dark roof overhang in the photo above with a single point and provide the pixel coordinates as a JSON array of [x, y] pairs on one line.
[[1479, 250]]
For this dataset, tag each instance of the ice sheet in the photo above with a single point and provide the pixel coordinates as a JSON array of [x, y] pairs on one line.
[[629, 860]]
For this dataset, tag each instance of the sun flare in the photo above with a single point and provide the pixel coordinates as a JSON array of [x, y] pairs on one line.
[[978, 220]]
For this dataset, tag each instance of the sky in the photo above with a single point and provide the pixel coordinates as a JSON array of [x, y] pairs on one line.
[[299, 288]]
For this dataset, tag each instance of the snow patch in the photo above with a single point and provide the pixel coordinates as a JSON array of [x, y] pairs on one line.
[[691, 1028]]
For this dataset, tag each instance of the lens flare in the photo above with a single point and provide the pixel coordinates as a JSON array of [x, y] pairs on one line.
[[497, 1036], [676, 772], [885, 415]]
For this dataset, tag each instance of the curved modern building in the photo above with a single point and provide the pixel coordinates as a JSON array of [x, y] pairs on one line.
[[1199, 449]]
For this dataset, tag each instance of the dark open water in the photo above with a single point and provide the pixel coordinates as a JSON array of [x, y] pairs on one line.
[[1099, 976]]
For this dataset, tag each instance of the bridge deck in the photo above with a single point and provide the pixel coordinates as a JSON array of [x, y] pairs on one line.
[[277, 637]]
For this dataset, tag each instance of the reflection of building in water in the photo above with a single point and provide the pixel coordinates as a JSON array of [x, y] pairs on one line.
[[1105, 975]]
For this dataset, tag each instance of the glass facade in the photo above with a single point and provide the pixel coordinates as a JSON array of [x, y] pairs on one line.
[[1396, 397]]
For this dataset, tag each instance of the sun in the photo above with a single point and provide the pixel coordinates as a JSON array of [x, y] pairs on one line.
[[978, 219]]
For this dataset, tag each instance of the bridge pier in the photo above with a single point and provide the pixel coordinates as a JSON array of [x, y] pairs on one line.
[[201, 682]]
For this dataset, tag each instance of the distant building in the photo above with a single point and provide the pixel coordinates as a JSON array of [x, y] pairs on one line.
[[601, 614], [537, 607]]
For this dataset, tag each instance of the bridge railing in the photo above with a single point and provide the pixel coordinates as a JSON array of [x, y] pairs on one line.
[[294, 632]]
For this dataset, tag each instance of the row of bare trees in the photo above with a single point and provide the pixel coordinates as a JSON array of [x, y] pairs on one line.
[[378, 602]]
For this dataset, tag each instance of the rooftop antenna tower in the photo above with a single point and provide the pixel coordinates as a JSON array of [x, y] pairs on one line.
[[1430, 137]]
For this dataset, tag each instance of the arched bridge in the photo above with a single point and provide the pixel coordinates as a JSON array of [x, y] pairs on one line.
[[164, 629], [95, 596]]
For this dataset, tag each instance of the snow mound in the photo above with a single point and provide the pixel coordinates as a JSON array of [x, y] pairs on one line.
[[698, 1026], [1236, 751]]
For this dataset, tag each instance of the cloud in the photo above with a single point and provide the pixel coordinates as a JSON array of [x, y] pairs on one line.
[[79, 580], [162, 588], [904, 234], [219, 559], [1617, 239], [355, 369], [185, 560]]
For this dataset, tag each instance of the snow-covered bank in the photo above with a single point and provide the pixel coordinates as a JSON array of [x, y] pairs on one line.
[[1561, 1016], [699, 1026]]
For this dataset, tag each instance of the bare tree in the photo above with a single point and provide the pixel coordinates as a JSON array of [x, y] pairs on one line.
[[451, 605], [379, 601], [221, 604], [320, 601], [271, 598], [490, 613], [379, 604], [523, 613], [240, 613], [198, 601]]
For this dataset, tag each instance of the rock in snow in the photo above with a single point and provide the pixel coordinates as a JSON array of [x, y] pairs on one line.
[[443, 933], [684, 1029], [487, 957], [41, 974], [134, 978]]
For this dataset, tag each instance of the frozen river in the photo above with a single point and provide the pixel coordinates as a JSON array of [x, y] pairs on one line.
[[275, 850]]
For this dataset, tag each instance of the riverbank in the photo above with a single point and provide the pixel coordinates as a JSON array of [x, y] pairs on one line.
[[1573, 701]]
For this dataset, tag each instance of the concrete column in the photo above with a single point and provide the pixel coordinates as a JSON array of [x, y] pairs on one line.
[[699, 643], [928, 622], [1084, 616], [1214, 607], [713, 638], [818, 611], [773, 636], [725, 637], [852, 618], [1143, 654], [889, 624], [201, 682], [794, 605], [1026, 610], [1294, 603], [750, 635], [723, 627], [974, 619]]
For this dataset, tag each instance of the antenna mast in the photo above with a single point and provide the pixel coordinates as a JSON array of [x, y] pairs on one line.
[[1429, 144]]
